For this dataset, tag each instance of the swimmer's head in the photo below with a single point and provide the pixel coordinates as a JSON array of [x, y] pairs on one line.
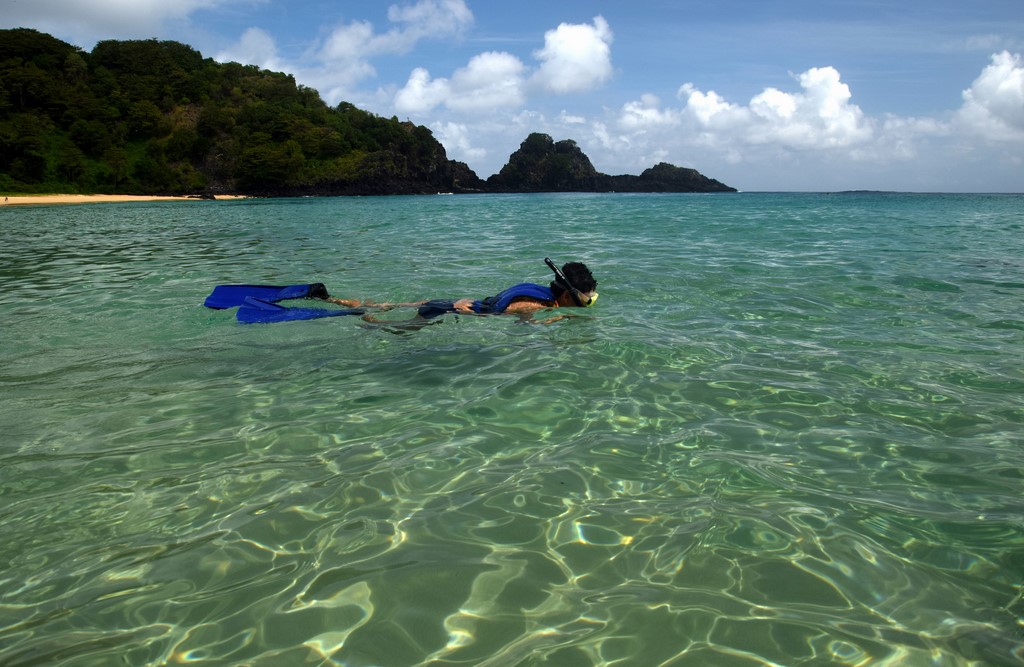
[[576, 279]]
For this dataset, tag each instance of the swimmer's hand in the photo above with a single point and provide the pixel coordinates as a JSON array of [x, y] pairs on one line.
[[556, 318]]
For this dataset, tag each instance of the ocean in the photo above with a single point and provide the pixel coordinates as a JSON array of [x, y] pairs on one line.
[[790, 432]]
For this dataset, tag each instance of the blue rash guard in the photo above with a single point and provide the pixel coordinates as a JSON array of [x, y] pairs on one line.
[[491, 305]]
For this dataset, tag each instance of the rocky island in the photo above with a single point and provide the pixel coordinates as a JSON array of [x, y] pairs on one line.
[[544, 165]]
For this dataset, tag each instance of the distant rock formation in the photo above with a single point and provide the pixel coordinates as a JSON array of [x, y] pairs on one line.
[[544, 165]]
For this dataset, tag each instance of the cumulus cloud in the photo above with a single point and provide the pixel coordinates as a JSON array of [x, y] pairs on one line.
[[821, 116], [709, 109], [491, 80], [645, 113], [994, 104], [575, 57], [816, 133], [421, 93]]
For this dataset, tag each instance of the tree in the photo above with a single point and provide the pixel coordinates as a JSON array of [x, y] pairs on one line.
[[267, 166], [91, 135], [23, 140], [146, 120], [75, 68], [116, 160], [71, 162]]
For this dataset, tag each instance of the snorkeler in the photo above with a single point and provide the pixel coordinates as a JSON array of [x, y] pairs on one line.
[[573, 286]]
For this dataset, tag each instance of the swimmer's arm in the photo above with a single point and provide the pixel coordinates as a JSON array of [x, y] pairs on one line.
[[348, 303], [526, 309]]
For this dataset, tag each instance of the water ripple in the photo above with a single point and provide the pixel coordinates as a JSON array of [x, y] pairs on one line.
[[789, 433]]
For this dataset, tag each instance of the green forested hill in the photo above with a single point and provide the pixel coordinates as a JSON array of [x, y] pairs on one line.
[[156, 117]]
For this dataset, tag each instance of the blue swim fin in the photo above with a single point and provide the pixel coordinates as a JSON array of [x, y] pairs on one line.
[[229, 296], [258, 311]]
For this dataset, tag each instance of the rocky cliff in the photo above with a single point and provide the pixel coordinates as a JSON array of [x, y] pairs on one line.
[[544, 165]]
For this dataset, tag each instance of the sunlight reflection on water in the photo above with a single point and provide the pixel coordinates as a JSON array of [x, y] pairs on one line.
[[788, 434]]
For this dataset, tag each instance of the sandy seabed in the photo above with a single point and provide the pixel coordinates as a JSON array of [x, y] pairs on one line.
[[97, 199]]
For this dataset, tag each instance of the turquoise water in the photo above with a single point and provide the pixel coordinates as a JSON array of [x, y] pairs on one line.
[[791, 432]]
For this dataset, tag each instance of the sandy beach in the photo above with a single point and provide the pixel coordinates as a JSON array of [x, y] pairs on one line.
[[15, 200]]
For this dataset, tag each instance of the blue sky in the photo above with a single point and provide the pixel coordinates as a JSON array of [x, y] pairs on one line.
[[814, 95]]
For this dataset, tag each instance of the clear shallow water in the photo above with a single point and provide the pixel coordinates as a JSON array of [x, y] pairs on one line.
[[790, 433]]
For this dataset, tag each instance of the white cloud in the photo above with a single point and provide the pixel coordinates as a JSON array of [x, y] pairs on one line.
[[86, 21], [491, 80], [645, 114], [707, 131], [819, 117], [902, 139], [575, 57], [421, 93], [335, 67], [709, 109], [994, 104], [427, 19], [342, 59], [456, 139], [816, 137], [256, 47], [774, 104], [431, 19], [351, 42], [608, 140]]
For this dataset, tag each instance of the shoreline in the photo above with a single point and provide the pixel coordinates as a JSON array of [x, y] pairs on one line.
[[24, 200]]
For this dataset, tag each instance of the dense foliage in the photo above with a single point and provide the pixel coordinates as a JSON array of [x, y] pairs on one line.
[[156, 117]]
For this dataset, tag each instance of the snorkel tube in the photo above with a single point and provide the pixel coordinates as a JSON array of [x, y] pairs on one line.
[[564, 282]]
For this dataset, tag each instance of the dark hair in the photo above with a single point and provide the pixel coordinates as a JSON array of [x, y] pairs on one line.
[[579, 275]]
